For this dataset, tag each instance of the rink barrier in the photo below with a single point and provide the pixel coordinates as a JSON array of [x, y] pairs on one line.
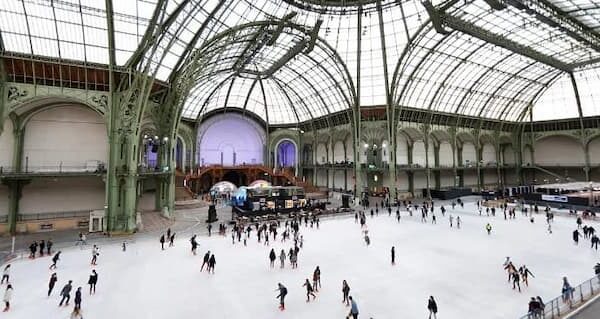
[[559, 308]]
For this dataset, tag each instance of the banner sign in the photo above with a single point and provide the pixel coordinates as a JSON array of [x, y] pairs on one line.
[[555, 198]]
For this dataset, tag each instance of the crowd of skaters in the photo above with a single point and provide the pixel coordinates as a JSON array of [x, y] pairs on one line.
[[242, 231], [44, 248]]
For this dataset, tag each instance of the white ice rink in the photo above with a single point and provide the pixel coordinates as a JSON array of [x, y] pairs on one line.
[[461, 268]]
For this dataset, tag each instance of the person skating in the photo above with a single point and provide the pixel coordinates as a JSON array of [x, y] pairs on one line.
[[194, 244], [42, 246], [488, 227], [51, 284], [432, 307], [451, 218], [595, 241], [93, 281], [272, 258], [576, 236], [66, 293], [209, 227], [49, 244], [317, 279], [398, 215], [597, 270], [78, 298], [345, 292], [293, 258], [32, 250], [7, 297], [205, 260], [433, 219], [282, 293], [516, 278], [567, 292], [525, 272], [5, 275], [353, 309], [211, 264], [393, 255], [55, 259], [168, 233], [95, 255], [172, 240], [282, 259], [162, 242], [458, 222], [309, 290]]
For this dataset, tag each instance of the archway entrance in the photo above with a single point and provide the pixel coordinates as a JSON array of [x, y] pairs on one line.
[[286, 154]]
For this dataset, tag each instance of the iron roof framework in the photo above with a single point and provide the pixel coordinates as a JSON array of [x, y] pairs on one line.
[[491, 59]]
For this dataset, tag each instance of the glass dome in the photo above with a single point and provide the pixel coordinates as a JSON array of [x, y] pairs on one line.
[[478, 61]]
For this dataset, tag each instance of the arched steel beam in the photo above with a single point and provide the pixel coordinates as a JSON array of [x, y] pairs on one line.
[[501, 86], [525, 88]]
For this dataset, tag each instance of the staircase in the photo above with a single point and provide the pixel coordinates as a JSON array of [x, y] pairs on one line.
[[543, 170], [182, 193]]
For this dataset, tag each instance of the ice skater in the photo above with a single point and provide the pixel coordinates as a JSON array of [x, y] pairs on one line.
[[93, 281], [95, 254], [432, 307], [7, 297], [205, 260], [282, 293], [78, 298], [567, 292], [353, 309], [282, 259], [172, 240], [595, 241], [51, 284], [42, 246], [458, 222], [66, 293], [525, 272], [194, 244], [345, 292], [211, 264], [516, 278], [488, 228], [6, 275], [576, 236], [55, 259], [393, 255], [49, 244], [309, 290], [162, 242], [272, 258], [451, 218], [317, 278]]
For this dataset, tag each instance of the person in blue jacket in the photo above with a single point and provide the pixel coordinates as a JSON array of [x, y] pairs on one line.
[[353, 309]]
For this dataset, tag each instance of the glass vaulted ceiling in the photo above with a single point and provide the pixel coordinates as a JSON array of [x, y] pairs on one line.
[[455, 72]]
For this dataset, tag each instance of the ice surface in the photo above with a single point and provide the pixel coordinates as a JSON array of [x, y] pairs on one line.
[[461, 268]]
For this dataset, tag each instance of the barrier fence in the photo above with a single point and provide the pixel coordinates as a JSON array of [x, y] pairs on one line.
[[561, 306]]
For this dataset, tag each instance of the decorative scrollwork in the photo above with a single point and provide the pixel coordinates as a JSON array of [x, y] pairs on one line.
[[14, 93], [101, 102]]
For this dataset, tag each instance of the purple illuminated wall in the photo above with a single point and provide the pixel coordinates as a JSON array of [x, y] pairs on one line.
[[230, 139], [286, 154]]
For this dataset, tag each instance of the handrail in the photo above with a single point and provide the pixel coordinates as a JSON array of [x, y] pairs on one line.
[[559, 306]]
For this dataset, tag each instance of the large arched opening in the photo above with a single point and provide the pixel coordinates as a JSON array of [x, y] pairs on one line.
[[230, 140]]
